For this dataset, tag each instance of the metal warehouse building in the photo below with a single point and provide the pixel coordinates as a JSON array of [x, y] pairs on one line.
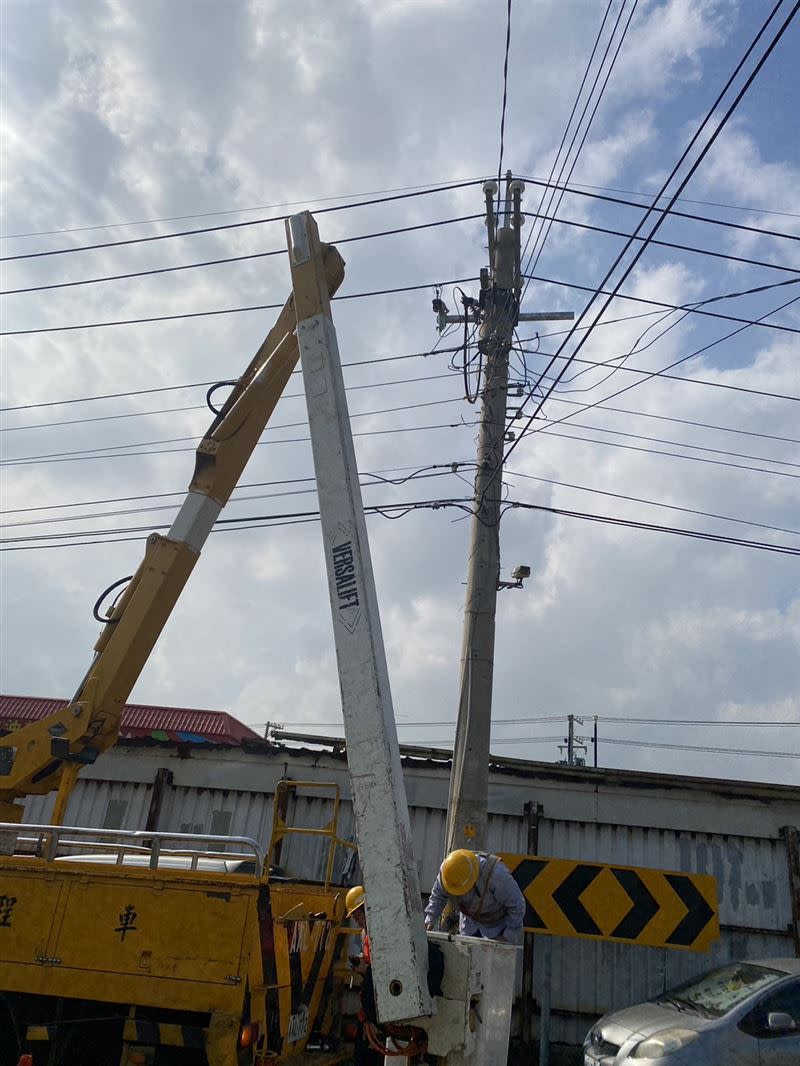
[[176, 771]]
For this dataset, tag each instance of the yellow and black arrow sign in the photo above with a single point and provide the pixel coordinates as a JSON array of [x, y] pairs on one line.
[[635, 905]]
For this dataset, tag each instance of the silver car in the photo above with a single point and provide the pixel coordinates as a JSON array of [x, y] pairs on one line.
[[742, 1014]]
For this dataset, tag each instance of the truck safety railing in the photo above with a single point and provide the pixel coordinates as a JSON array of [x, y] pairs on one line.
[[282, 829], [57, 841]]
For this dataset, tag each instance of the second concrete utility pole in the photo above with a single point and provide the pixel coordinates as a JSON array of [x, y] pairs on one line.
[[497, 312], [500, 294]]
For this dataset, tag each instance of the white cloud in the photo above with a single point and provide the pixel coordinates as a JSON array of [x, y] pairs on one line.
[[267, 103]]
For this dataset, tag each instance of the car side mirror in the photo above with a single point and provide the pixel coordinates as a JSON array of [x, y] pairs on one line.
[[779, 1022]]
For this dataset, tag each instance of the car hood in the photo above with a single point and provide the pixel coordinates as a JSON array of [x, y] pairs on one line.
[[647, 1019]]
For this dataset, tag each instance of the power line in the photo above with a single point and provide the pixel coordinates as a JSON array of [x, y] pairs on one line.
[[694, 309], [422, 474], [204, 407], [603, 718], [542, 233], [653, 503], [710, 140], [112, 536], [505, 94], [400, 289], [676, 443], [222, 525], [205, 384], [702, 748], [692, 534], [232, 258], [671, 455], [235, 225], [654, 241], [685, 200], [601, 406], [576, 190], [558, 738], [423, 355], [111, 451], [379, 385], [196, 437], [656, 374], [221, 311], [453, 466], [432, 470], [287, 440], [549, 184], [659, 373], [230, 211]]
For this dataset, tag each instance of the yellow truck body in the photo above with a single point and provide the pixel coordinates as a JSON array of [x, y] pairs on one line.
[[185, 940]]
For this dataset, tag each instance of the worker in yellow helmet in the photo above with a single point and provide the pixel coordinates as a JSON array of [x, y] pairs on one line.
[[355, 908], [489, 900]]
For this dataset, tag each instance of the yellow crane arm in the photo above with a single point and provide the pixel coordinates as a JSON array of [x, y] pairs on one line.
[[48, 754]]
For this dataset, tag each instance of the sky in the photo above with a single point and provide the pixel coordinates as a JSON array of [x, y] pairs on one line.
[[202, 114]]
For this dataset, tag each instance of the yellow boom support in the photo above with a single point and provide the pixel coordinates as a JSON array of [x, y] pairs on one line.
[[49, 754]]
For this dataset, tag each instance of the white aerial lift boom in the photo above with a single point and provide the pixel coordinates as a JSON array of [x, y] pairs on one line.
[[471, 1021]]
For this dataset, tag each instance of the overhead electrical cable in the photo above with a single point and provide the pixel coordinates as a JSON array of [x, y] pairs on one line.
[[221, 311], [377, 482], [272, 443], [601, 406], [701, 748], [630, 523], [752, 209], [705, 148], [744, 260], [549, 185], [81, 537], [235, 225], [543, 234], [505, 93], [401, 289], [245, 485], [603, 719], [222, 523], [433, 470], [652, 374], [576, 190], [196, 437], [669, 306], [655, 503], [234, 258], [234, 210], [204, 407]]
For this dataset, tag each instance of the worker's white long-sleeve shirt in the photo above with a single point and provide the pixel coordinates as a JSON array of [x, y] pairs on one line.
[[503, 909]]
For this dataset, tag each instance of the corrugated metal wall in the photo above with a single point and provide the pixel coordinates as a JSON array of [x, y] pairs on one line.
[[588, 978]]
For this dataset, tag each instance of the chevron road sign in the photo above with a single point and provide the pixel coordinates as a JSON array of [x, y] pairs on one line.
[[629, 904]]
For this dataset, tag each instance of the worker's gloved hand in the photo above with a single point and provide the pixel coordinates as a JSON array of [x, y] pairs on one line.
[[428, 926]]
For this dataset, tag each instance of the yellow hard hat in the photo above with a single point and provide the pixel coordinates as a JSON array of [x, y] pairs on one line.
[[460, 872], [355, 898]]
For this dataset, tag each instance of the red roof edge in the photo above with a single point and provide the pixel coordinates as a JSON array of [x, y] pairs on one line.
[[182, 725]]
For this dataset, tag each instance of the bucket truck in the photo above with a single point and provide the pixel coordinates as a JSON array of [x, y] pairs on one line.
[[154, 941]]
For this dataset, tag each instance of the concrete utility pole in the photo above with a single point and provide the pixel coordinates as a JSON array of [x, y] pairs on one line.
[[574, 744], [498, 313]]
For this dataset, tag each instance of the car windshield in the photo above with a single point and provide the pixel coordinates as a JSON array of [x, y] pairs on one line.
[[721, 990]]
